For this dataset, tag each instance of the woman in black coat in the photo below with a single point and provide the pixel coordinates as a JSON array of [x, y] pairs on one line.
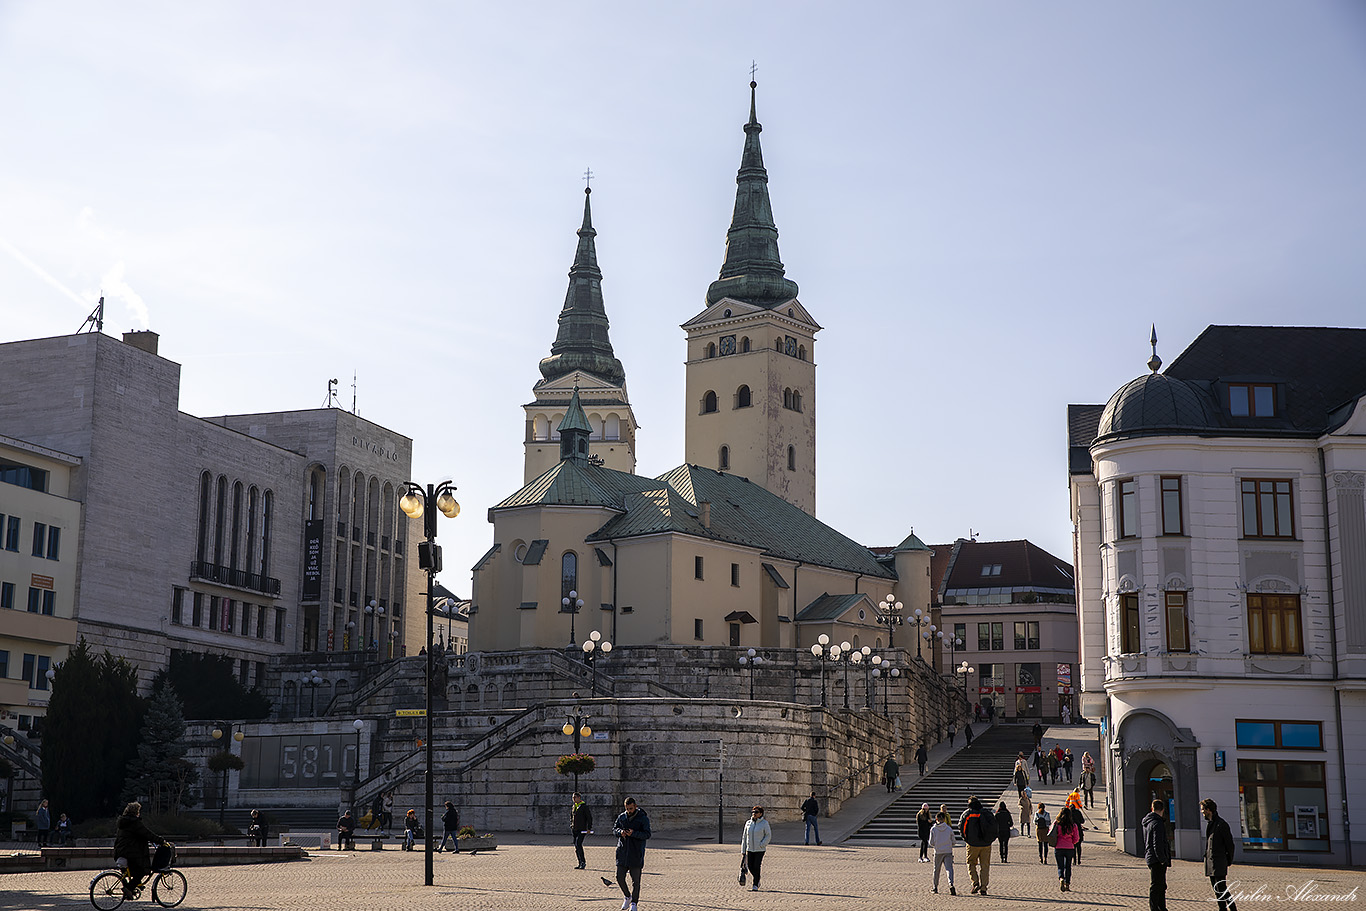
[[923, 820], [132, 840], [1003, 823]]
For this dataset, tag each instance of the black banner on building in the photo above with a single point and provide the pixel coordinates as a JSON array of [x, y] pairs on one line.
[[313, 560]]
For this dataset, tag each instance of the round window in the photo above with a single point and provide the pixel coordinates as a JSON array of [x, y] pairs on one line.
[[861, 614], [520, 553]]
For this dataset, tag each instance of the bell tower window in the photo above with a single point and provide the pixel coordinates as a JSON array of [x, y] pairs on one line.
[[709, 402], [723, 460]]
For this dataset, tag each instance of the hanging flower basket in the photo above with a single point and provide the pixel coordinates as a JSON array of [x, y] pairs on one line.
[[575, 764]]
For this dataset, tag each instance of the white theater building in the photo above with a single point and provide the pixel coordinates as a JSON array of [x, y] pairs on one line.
[[1219, 515]]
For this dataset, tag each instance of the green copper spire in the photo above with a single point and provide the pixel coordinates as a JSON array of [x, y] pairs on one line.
[[574, 430], [752, 271], [582, 342]]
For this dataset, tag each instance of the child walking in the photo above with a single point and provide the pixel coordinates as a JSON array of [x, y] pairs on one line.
[[941, 841]]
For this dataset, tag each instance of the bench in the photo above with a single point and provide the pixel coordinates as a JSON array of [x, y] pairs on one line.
[[321, 840]]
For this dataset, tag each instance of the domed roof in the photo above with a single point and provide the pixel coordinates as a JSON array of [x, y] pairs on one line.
[[1156, 404]]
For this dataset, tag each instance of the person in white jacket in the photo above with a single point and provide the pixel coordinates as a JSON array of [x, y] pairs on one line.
[[941, 842], [754, 842]]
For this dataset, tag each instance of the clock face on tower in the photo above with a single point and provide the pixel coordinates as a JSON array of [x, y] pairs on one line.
[[727, 344], [791, 348]]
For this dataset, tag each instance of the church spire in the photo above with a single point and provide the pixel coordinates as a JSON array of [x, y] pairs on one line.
[[582, 342], [574, 430], [752, 271]]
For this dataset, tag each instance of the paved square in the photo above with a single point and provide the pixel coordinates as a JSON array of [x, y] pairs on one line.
[[533, 873]]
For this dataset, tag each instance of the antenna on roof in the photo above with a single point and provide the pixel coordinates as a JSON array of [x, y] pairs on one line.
[[353, 391], [331, 394], [95, 321]]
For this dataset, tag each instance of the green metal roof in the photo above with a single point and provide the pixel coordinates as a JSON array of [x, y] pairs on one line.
[[828, 607], [911, 543]]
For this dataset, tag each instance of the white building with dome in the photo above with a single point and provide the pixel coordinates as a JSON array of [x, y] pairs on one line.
[[1219, 516]]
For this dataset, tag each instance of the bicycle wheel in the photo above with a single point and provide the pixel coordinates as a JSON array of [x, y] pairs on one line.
[[106, 890], [169, 888]]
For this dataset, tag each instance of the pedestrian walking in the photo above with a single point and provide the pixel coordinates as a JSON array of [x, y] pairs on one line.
[[1157, 854], [1040, 764], [632, 829], [1064, 835], [257, 828], [1003, 823], [953, 732], [1218, 853], [890, 771], [967, 733], [580, 826], [1088, 788], [978, 825], [1067, 763], [387, 816], [811, 813], [753, 843], [1053, 763], [1027, 812], [376, 812], [44, 819], [924, 821], [922, 758], [1042, 820], [1037, 731], [941, 840], [1067, 714], [450, 828]]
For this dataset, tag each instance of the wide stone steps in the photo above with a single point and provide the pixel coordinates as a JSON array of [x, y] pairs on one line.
[[981, 771]]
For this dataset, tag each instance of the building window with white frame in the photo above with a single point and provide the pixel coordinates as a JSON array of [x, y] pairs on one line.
[[1178, 623], [1127, 497], [1130, 625], [1268, 508], [1274, 625], [1172, 523]]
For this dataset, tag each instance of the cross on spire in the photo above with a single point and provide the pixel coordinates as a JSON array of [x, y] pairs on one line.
[[753, 68], [587, 178]]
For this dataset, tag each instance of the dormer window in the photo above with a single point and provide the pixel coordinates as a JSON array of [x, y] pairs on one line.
[[991, 569], [1257, 400]]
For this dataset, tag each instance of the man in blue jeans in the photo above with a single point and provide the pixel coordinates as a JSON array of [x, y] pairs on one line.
[[811, 812]]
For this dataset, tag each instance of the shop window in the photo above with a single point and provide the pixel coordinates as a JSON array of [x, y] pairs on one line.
[[1285, 805], [1279, 735]]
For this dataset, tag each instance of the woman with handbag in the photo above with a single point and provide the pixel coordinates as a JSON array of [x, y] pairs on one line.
[[1003, 823], [753, 843], [1042, 819], [1064, 837]]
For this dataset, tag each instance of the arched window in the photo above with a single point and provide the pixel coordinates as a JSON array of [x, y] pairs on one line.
[[796, 400], [540, 428], [599, 428], [801, 352], [778, 343], [555, 423], [724, 459], [787, 399], [791, 458], [711, 349], [709, 402], [613, 429], [742, 397], [219, 518], [744, 345], [202, 546], [253, 500], [235, 546], [267, 509], [569, 574]]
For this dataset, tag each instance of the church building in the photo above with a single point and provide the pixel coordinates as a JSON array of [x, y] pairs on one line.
[[724, 549]]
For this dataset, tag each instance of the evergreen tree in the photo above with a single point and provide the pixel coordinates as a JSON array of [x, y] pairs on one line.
[[208, 690], [160, 775], [90, 732]]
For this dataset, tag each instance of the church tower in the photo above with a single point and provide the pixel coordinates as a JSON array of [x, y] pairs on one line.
[[581, 358], [751, 367]]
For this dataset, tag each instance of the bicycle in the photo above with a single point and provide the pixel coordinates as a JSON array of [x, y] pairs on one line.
[[112, 888]]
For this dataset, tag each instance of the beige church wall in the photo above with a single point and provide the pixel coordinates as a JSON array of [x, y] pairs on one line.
[[644, 586], [713, 597]]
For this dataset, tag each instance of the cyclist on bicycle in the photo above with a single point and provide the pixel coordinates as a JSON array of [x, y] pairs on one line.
[[132, 843]]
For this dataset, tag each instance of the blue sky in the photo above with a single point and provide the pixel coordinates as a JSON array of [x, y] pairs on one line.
[[985, 205]]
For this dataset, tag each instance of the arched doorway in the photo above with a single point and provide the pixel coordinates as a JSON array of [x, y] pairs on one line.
[[1160, 786]]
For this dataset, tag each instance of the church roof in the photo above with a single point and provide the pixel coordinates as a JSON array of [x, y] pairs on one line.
[[574, 418], [740, 512], [829, 607], [752, 271], [582, 342]]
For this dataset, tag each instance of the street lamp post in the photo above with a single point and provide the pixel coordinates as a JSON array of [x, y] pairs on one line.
[[571, 606], [420, 503], [886, 671], [373, 614], [846, 654], [359, 725], [824, 651], [964, 669], [313, 680], [576, 724], [890, 616], [751, 658], [220, 730], [594, 647], [921, 620], [953, 642]]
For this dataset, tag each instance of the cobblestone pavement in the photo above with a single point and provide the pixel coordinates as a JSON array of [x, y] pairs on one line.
[[535, 875]]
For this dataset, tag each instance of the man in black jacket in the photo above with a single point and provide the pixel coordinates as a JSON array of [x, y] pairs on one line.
[[580, 824], [1157, 853], [1218, 853], [632, 829], [979, 830], [811, 812]]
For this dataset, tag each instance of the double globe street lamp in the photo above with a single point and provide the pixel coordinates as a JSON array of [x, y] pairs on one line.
[[420, 503], [884, 669], [823, 652], [571, 606], [313, 680], [753, 659], [889, 614], [594, 647], [964, 669]]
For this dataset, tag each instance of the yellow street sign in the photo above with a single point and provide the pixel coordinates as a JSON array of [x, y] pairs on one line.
[[409, 713]]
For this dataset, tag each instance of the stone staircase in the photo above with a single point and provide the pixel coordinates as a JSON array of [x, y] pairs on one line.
[[982, 771]]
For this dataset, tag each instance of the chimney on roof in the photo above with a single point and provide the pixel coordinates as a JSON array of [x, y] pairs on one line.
[[143, 339], [706, 513]]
